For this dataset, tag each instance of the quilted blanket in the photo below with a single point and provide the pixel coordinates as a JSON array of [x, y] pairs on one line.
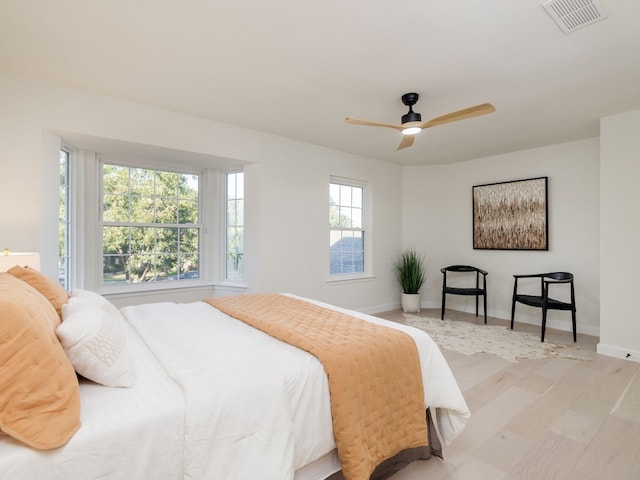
[[375, 381]]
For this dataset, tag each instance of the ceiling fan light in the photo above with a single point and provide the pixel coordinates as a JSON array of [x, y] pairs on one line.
[[411, 130]]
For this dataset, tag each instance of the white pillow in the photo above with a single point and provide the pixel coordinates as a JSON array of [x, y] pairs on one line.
[[81, 298], [93, 337]]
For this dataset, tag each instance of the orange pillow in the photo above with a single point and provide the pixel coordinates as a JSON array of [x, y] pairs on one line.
[[52, 290], [39, 392]]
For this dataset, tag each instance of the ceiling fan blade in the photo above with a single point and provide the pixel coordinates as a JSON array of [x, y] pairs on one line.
[[470, 112], [355, 121], [407, 141]]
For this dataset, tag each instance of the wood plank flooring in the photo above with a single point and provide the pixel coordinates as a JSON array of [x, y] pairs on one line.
[[550, 419]]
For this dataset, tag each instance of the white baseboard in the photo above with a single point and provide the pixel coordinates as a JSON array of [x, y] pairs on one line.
[[381, 308], [617, 352], [555, 324]]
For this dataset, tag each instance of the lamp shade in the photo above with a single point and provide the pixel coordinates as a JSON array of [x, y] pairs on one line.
[[24, 259]]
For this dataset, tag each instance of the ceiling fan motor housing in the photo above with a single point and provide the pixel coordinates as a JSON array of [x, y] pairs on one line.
[[410, 100], [411, 117]]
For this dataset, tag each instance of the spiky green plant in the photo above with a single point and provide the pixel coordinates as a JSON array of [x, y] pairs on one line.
[[409, 269]]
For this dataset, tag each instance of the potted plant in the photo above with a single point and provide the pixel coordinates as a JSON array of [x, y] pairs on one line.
[[409, 269]]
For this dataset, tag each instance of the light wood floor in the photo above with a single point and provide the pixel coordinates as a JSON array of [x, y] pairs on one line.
[[551, 419]]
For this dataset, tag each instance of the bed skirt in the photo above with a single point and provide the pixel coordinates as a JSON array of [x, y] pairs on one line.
[[401, 460]]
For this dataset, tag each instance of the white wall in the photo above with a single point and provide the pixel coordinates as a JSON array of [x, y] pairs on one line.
[[287, 207], [593, 199], [437, 220], [620, 235]]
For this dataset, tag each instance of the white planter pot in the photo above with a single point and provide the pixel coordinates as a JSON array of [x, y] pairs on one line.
[[410, 302]]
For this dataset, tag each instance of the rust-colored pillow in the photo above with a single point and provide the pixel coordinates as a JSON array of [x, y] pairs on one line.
[[39, 392], [52, 290]]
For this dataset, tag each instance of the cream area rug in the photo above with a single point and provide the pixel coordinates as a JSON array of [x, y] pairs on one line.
[[468, 338]]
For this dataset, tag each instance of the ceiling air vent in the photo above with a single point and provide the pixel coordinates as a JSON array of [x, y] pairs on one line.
[[571, 15]]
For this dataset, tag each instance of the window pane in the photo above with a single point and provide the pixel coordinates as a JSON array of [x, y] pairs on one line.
[[141, 209], [166, 267], [167, 240], [187, 211], [115, 208], [189, 240], [166, 184], [235, 253], [189, 266], [231, 185], [334, 194], [115, 240], [356, 218], [345, 195], [141, 181], [188, 186], [334, 216], [115, 269], [166, 210], [64, 221], [141, 268], [115, 180], [142, 240], [356, 197]]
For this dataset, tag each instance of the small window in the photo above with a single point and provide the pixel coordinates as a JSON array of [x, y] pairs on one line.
[[346, 228], [234, 245], [151, 228]]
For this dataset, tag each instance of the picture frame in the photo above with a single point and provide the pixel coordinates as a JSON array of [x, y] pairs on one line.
[[511, 215]]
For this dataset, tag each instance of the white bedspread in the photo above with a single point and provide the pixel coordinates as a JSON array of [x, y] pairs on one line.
[[256, 407]]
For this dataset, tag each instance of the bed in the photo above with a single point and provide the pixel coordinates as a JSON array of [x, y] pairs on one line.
[[200, 395]]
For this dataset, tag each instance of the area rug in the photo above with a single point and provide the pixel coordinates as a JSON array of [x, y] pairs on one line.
[[468, 338]]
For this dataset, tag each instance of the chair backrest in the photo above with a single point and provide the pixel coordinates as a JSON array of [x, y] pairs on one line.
[[463, 269], [559, 276]]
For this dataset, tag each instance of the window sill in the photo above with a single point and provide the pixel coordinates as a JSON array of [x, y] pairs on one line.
[[338, 280], [141, 289]]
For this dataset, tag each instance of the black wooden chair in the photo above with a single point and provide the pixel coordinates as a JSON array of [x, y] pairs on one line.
[[544, 301], [477, 291]]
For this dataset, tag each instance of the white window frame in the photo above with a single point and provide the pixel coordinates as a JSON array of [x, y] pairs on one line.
[[205, 250], [366, 229]]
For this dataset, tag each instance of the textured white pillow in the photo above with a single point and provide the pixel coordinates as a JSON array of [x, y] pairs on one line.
[[81, 298], [93, 337]]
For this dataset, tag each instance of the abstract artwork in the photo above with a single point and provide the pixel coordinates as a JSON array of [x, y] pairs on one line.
[[511, 215]]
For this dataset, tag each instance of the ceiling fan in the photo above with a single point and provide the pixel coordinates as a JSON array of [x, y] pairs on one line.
[[412, 122]]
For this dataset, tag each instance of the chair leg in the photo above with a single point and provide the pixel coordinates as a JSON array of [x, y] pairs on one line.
[[485, 307], [442, 312], [573, 320], [513, 312], [476, 305], [544, 323]]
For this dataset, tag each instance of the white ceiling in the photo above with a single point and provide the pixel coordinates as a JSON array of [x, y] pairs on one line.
[[297, 68]]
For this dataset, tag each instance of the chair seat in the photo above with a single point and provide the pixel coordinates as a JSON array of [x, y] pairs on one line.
[[536, 301], [463, 291]]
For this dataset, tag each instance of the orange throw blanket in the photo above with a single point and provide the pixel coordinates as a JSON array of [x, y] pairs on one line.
[[375, 382]]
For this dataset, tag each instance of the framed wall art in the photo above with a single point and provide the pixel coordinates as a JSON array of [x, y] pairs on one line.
[[511, 215]]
